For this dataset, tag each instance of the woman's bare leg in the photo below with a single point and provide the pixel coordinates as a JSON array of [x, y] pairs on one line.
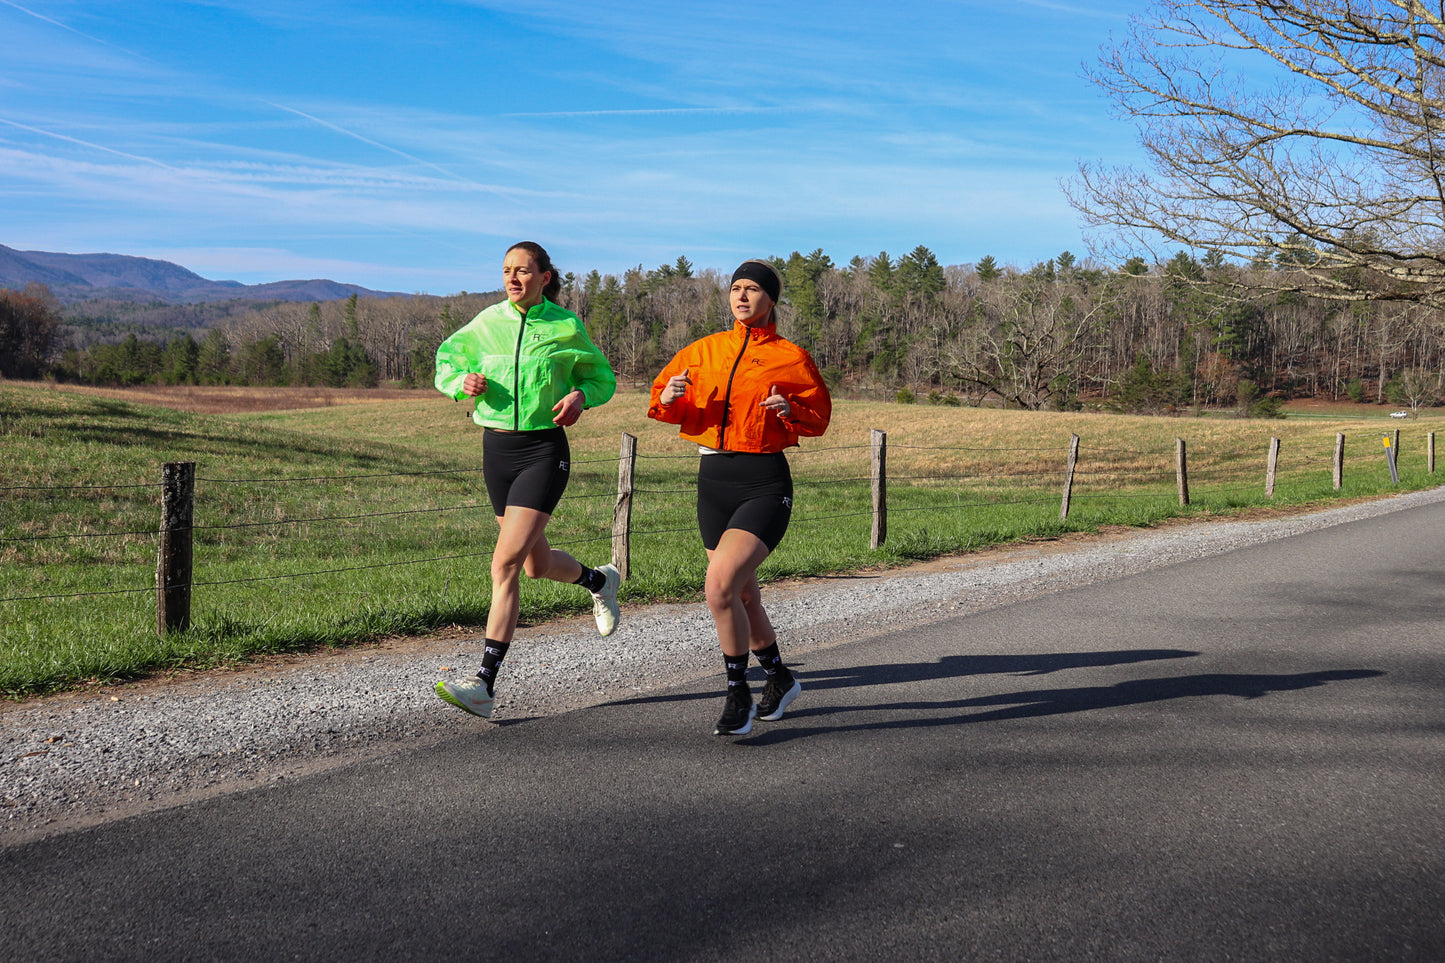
[[522, 547]]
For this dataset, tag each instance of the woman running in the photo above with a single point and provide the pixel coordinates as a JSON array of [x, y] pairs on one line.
[[533, 370], [744, 395]]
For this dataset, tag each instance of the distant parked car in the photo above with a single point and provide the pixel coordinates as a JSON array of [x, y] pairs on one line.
[[1399, 414]]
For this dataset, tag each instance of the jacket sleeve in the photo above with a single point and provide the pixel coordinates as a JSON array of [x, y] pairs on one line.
[[670, 414], [812, 406], [454, 363], [592, 373]]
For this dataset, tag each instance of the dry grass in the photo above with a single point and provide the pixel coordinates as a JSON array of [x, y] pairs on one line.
[[232, 399], [923, 440]]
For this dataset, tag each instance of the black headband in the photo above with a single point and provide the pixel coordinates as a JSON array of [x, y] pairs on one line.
[[763, 274]]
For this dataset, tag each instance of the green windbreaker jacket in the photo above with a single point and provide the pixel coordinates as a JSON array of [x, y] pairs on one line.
[[530, 362]]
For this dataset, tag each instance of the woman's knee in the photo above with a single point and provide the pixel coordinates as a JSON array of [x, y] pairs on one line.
[[506, 568], [719, 592], [725, 588]]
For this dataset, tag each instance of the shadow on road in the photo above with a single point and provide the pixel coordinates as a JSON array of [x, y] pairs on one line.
[[948, 667], [1048, 702]]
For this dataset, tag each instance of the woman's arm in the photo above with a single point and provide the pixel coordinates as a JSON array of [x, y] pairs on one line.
[[592, 374], [810, 406], [669, 390], [454, 363]]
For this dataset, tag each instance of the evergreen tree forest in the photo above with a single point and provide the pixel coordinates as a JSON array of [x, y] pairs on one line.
[[1171, 337]]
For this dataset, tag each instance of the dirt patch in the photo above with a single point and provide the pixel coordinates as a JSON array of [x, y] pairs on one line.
[[231, 399]]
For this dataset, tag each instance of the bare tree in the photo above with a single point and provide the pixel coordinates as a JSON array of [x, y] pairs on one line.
[[1032, 342], [1309, 135], [1416, 388]]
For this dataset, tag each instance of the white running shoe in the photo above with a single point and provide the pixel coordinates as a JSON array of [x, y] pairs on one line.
[[604, 603], [467, 694]]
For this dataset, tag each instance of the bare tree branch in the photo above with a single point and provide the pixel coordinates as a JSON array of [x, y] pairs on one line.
[[1305, 133]]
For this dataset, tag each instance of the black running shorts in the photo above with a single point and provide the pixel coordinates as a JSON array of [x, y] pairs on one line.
[[746, 491], [525, 468]]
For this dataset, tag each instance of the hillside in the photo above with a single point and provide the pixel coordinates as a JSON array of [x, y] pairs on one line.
[[120, 277]]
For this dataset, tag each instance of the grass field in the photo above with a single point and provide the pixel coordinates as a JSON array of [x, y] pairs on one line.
[[361, 516]]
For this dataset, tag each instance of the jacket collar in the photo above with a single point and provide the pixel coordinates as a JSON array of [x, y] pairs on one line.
[[519, 313], [765, 332]]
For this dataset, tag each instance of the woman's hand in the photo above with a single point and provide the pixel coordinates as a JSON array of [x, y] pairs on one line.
[[569, 409], [777, 403], [675, 388], [474, 384]]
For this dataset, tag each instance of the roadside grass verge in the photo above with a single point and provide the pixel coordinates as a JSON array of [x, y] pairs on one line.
[[334, 526]]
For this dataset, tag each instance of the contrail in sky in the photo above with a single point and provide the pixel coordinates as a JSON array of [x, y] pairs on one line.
[[62, 26], [378, 145], [83, 143]]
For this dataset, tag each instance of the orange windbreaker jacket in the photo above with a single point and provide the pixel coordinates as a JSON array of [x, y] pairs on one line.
[[732, 372]]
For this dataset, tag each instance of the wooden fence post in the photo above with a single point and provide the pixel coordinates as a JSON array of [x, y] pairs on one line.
[[1181, 468], [1271, 467], [1069, 475], [880, 488], [1430, 453], [622, 511], [174, 556], [1339, 460]]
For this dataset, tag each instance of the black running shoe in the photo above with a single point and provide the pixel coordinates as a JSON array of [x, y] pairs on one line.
[[778, 694], [737, 717]]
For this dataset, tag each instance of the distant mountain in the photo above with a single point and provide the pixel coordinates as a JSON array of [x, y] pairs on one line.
[[83, 277]]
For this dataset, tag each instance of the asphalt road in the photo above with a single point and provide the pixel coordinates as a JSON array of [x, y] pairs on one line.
[[1238, 758]]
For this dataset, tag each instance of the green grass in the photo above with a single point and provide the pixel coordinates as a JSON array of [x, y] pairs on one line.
[[333, 526]]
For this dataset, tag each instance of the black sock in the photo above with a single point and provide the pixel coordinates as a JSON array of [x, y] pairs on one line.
[[491, 662], [737, 669], [591, 579], [770, 659]]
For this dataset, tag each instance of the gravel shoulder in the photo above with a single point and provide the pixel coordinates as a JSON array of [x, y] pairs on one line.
[[83, 758]]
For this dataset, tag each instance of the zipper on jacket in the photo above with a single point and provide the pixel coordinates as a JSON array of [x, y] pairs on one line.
[[722, 431], [517, 376]]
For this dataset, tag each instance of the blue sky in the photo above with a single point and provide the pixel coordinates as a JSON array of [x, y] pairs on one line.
[[405, 146]]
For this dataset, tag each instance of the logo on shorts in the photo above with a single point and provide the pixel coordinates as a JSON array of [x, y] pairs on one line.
[[562, 465], [787, 502]]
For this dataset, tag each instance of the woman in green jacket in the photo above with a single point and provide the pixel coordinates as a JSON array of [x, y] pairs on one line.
[[533, 371]]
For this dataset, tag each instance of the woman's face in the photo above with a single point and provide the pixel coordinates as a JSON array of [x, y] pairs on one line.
[[750, 302], [523, 281]]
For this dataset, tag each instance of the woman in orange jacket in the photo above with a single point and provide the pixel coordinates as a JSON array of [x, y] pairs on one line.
[[744, 395]]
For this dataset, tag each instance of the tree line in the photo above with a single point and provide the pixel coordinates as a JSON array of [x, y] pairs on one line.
[[1061, 334]]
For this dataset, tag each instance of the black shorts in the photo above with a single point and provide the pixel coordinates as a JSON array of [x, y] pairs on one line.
[[528, 469], [746, 491]]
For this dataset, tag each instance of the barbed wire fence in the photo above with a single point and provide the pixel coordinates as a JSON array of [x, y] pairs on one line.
[[1042, 476]]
